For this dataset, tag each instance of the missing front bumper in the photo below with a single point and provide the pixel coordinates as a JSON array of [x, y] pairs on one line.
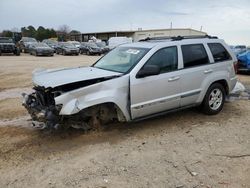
[[48, 116]]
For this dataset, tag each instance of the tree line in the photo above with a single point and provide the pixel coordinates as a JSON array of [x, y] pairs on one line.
[[62, 34]]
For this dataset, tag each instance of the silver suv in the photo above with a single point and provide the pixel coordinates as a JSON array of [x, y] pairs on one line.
[[136, 81]]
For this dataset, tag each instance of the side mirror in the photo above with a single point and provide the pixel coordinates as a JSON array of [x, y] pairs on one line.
[[148, 70]]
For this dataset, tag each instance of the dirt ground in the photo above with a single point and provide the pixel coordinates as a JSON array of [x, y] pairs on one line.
[[180, 150]]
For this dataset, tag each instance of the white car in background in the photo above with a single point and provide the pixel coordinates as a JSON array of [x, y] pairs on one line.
[[116, 41]]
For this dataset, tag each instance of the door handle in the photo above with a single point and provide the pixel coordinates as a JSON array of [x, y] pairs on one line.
[[208, 71], [173, 78]]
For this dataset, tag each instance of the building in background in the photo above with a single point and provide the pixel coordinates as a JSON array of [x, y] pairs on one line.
[[141, 34]]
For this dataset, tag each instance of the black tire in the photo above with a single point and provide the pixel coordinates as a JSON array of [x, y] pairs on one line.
[[57, 52], [17, 52], [0, 52], [212, 105], [64, 53]]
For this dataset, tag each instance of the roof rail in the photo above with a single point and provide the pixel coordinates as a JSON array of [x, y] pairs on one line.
[[178, 38]]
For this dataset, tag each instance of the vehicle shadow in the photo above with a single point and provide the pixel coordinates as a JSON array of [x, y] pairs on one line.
[[45, 143]]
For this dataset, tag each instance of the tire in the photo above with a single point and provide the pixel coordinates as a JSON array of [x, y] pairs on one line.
[[17, 52], [88, 53], [57, 52], [214, 99], [64, 53], [0, 52]]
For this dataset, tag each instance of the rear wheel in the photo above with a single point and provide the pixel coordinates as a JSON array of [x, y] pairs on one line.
[[214, 99]]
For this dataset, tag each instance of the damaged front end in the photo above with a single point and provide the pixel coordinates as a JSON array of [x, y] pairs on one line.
[[82, 98], [41, 107]]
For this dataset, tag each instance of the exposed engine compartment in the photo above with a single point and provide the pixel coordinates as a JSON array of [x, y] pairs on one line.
[[45, 113], [41, 106]]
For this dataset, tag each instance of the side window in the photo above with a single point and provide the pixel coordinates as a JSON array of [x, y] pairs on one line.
[[166, 59], [194, 55], [219, 52]]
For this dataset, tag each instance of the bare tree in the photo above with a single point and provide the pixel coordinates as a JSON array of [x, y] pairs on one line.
[[63, 32], [64, 29]]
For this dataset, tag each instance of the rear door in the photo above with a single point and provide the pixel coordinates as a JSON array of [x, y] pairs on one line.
[[196, 67], [154, 94]]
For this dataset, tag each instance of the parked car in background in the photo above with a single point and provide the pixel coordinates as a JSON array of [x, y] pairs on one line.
[[116, 41], [41, 49], [51, 43], [66, 48], [7, 45], [136, 81], [90, 48], [25, 43], [105, 49], [83, 48], [75, 43], [243, 62], [239, 49]]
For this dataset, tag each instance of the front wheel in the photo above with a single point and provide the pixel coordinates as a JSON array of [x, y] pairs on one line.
[[214, 99], [17, 52]]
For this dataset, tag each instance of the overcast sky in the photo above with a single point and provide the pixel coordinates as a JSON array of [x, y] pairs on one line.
[[228, 19]]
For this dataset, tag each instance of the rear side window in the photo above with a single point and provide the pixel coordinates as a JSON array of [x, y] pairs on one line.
[[194, 55], [219, 52]]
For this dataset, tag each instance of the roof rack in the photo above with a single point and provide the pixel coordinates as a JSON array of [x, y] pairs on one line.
[[178, 38]]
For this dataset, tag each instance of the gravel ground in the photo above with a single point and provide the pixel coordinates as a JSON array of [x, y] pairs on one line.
[[183, 149]]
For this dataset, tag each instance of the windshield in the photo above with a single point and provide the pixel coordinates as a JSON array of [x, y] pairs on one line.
[[121, 59], [41, 45], [75, 43], [66, 44], [92, 45], [50, 42], [6, 40], [28, 40]]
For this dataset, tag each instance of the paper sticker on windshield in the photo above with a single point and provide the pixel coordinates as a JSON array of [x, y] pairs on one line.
[[133, 51]]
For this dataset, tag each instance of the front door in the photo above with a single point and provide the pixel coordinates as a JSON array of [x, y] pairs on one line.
[[158, 93]]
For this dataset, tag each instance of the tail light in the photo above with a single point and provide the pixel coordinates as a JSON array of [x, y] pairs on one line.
[[236, 67]]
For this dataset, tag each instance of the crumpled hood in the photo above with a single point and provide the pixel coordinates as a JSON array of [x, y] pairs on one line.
[[57, 77]]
